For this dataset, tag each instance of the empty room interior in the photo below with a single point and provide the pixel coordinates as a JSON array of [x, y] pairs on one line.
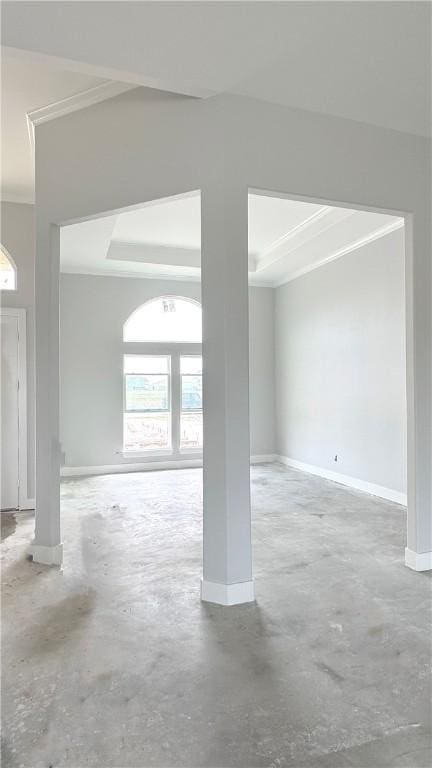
[[216, 424]]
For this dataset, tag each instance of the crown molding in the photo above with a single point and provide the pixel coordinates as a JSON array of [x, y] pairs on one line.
[[376, 235], [154, 253], [73, 103], [104, 272], [255, 279], [276, 244], [307, 230], [159, 253], [88, 271]]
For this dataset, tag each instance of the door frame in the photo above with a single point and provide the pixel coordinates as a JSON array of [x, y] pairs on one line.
[[21, 316]]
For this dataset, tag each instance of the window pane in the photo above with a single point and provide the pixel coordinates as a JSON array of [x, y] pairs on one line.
[[146, 392], [191, 430], [147, 431], [190, 364], [168, 318], [146, 364], [7, 272], [191, 387], [191, 425]]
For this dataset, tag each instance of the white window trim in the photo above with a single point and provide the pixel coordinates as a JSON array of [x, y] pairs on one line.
[[175, 350], [151, 301], [142, 452]]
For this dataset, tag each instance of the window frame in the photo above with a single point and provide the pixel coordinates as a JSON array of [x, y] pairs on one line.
[[187, 450], [189, 410], [153, 300], [148, 451], [174, 352], [128, 373], [13, 267], [147, 410]]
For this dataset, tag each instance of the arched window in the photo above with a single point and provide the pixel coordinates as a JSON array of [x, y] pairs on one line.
[[7, 271], [162, 379], [165, 319]]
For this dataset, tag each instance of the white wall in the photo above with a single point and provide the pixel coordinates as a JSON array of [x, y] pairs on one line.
[[262, 371], [18, 237], [340, 365], [145, 145], [92, 312]]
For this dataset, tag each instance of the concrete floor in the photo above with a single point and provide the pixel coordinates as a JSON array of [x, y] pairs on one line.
[[114, 662]]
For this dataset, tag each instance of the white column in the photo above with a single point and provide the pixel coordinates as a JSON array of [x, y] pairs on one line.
[[227, 551], [418, 553], [46, 547]]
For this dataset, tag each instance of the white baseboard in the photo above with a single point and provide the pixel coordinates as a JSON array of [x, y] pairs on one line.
[[138, 466], [27, 504], [418, 561], [45, 554], [352, 482], [227, 594], [145, 466], [265, 458]]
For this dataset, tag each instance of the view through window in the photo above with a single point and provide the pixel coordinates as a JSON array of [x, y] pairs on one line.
[[7, 271], [191, 424], [162, 379]]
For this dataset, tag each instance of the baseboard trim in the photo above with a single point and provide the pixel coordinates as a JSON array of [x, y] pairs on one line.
[[227, 594], [145, 466], [46, 555], [351, 482], [266, 458], [138, 466], [26, 504], [418, 561]]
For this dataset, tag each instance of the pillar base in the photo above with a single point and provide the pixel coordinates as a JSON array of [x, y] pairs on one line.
[[418, 561], [45, 554], [227, 594]]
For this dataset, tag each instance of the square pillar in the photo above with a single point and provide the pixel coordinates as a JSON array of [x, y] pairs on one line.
[[46, 547], [227, 550], [418, 553]]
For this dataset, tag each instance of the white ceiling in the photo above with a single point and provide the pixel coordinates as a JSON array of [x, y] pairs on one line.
[[367, 61], [163, 239], [26, 86]]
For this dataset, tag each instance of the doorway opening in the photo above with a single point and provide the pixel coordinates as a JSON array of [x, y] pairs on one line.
[[340, 370], [131, 339]]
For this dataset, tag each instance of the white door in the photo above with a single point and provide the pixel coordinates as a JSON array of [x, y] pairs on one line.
[[9, 412]]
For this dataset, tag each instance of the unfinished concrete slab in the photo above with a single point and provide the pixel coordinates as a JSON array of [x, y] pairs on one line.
[[115, 662]]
